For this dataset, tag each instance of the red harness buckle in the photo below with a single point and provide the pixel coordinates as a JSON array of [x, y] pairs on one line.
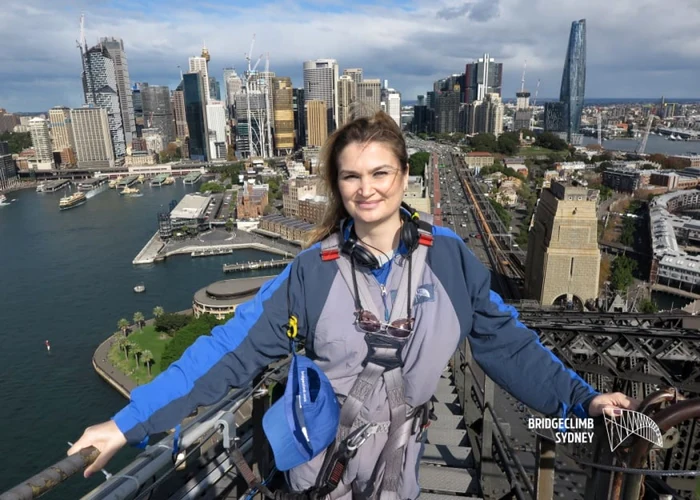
[[425, 239], [330, 254]]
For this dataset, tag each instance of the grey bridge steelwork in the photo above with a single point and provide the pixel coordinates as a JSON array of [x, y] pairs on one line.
[[471, 452]]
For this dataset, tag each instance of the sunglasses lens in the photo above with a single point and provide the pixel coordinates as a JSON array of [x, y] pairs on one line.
[[400, 328], [370, 326]]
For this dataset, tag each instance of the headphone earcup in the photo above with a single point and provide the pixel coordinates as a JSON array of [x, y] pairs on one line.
[[361, 255], [409, 234]]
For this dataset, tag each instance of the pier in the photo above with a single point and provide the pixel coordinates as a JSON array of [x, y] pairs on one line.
[[90, 184], [159, 180], [192, 177], [209, 252], [52, 186], [252, 266], [127, 181]]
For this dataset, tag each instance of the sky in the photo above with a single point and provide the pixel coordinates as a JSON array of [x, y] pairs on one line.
[[636, 48]]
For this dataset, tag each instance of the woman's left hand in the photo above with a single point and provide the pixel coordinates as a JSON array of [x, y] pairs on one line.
[[611, 403]]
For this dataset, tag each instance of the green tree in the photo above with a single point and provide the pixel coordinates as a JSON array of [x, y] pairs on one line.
[[123, 344], [484, 142], [211, 186], [17, 141], [501, 211], [136, 350], [186, 336], [123, 325], [158, 311], [170, 322], [548, 140], [629, 227], [622, 275], [648, 306], [229, 224], [605, 165], [139, 319], [417, 162], [509, 143], [147, 359]]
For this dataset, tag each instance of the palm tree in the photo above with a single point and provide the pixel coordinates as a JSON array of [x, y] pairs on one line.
[[138, 319], [123, 344], [130, 346], [136, 349], [147, 359], [158, 311], [123, 325]]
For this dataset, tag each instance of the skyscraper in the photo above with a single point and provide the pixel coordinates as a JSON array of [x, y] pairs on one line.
[[100, 86], [157, 112], [347, 94], [195, 112], [299, 117], [115, 48], [61, 128], [284, 113], [317, 127], [482, 77], [321, 83], [91, 129], [39, 128], [199, 65], [564, 117], [216, 125], [177, 103], [573, 81], [368, 97]]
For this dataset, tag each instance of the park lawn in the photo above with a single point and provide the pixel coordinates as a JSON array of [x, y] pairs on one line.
[[537, 151], [148, 338]]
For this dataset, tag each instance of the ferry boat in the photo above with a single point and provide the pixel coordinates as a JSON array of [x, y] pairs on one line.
[[113, 183], [72, 201], [170, 180], [140, 288], [128, 191]]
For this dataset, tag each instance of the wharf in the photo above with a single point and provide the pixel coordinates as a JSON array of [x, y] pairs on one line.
[[52, 186], [90, 184], [127, 181], [192, 177], [252, 266], [159, 180], [208, 244], [657, 287]]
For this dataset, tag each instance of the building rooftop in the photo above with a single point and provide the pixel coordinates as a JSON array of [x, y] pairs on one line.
[[192, 206], [479, 153], [229, 292]]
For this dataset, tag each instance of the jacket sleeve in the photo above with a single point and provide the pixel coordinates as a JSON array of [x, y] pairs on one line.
[[512, 355], [231, 356]]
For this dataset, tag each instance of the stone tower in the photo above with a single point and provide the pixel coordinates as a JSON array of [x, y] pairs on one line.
[[563, 258]]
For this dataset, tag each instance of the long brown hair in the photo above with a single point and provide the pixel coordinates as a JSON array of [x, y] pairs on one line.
[[378, 128]]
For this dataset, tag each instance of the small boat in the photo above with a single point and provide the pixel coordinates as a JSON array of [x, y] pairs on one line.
[[140, 288], [72, 201], [4, 200], [129, 191]]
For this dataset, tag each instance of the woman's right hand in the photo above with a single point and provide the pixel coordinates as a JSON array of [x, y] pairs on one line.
[[106, 437]]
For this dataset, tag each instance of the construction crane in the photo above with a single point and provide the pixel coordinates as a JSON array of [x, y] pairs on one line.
[[251, 70], [643, 144], [600, 128], [267, 105], [537, 90]]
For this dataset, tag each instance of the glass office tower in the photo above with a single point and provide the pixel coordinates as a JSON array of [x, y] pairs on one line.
[[196, 116], [573, 80]]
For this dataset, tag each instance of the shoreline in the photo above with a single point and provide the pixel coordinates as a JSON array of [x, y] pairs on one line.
[[119, 380]]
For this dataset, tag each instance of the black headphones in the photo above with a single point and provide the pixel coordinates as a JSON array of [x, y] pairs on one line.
[[361, 255]]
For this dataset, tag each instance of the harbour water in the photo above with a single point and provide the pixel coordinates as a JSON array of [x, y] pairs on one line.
[[67, 277], [655, 144]]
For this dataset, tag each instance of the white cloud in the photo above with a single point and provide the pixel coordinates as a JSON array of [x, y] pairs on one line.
[[635, 47]]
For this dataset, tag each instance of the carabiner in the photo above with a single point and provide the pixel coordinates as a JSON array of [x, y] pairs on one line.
[[360, 436]]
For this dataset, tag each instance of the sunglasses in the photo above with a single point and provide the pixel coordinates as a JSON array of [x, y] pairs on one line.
[[368, 323]]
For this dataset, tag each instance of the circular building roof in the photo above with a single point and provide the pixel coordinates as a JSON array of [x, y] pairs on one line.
[[229, 292]]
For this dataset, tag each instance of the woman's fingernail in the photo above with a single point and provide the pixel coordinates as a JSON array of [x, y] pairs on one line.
[[617, 412]]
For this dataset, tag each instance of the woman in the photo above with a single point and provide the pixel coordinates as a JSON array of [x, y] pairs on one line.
[[353, 275]]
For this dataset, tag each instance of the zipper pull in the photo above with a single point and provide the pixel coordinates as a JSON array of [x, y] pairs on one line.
[[383, 289]]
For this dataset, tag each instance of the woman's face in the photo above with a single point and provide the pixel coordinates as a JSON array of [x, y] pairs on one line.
[[371, 182]]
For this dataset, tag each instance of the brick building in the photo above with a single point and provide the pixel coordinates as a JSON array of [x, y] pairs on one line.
[[252, 201]]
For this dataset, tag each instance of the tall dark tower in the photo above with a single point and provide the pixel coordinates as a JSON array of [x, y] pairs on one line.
[[573, 80]]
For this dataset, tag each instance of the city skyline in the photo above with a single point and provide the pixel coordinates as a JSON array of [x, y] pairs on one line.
[[41, 67]]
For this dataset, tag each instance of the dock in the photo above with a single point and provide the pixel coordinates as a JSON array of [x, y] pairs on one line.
[[192, 177], [90, 184], [52, 186], [127, 181], [159, 180], [149, 253], [252, 266], [210, 252]]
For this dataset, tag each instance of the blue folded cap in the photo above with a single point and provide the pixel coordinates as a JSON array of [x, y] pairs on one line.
[[303, 422]]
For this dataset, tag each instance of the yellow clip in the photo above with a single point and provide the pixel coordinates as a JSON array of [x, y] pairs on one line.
[[415, 215], [292, 327]]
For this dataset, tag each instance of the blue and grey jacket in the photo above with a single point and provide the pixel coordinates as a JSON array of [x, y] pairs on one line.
[[453, 302]]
